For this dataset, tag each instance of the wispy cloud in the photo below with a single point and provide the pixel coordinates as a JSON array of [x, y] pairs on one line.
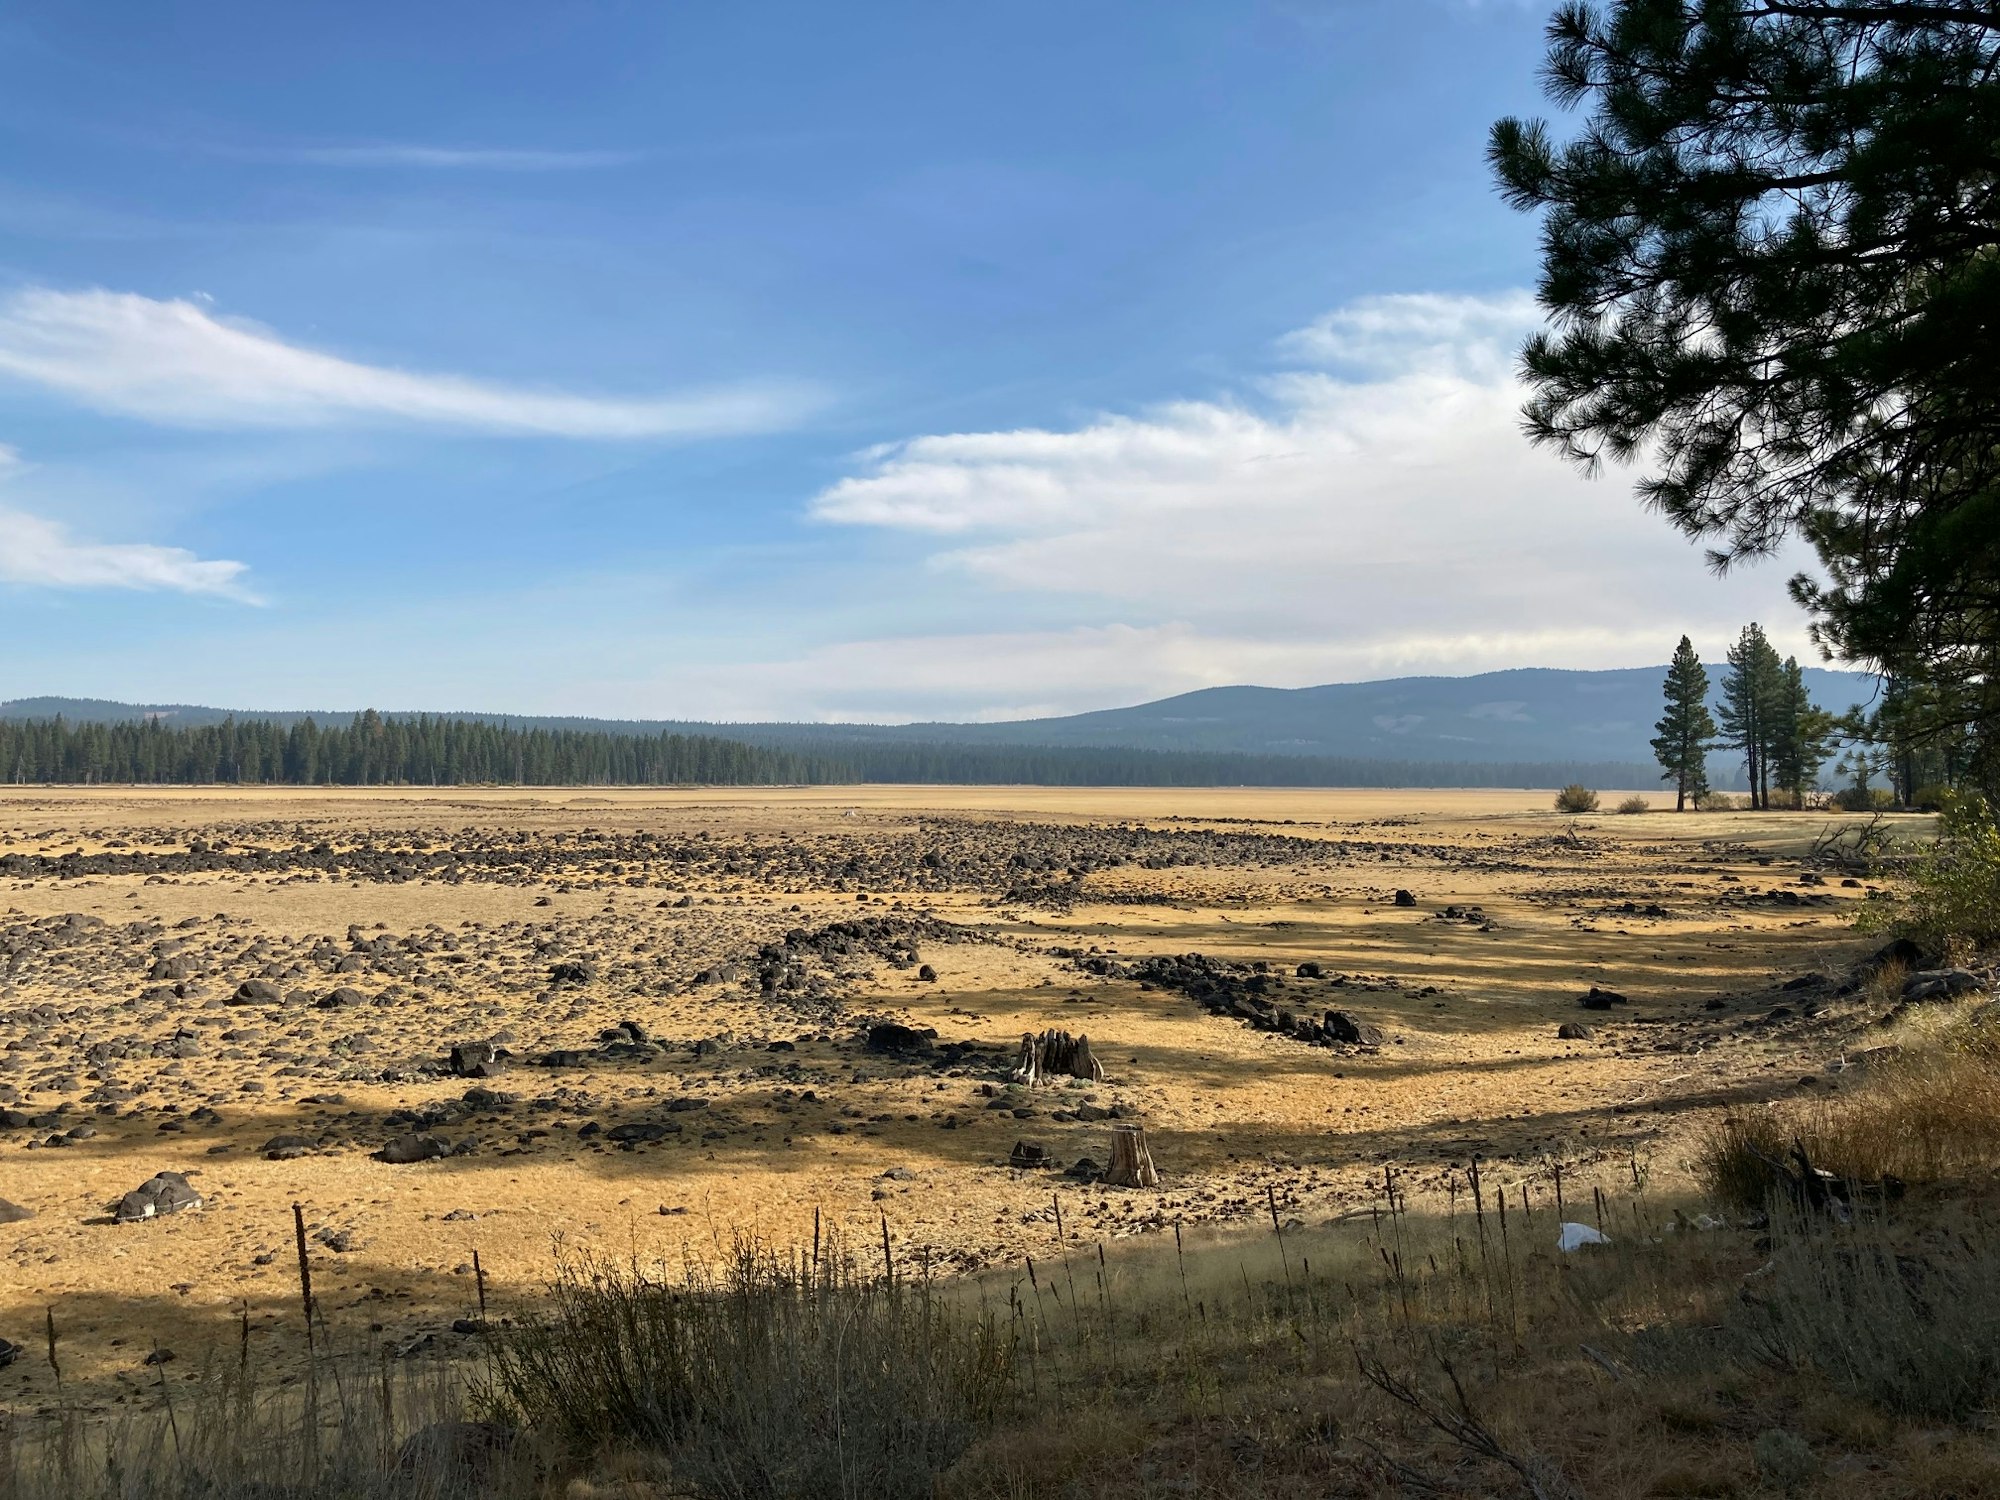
[[175, 362], [396, 154], [43, 553], [40, 552]]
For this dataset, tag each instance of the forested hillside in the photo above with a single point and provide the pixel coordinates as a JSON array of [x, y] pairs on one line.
[[425, 750]]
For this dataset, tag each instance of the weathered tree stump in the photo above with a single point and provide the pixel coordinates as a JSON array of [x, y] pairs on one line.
[[1131, 1163], [1056, 1054]]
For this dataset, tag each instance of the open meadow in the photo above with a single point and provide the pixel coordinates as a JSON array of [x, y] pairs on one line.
[[669, 1011]]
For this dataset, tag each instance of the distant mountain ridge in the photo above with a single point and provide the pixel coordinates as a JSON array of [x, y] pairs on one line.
[[1522, 715]]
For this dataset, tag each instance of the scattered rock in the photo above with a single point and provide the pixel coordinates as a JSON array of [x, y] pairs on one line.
[[896, 1038], [406, 1149], [287, 1147], [1941, 984], [1350, 1030], [1575, 1031], [477, 1060], [164, 1193]]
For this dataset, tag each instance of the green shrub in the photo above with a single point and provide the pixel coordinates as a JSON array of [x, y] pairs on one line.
[[1576, 798], [1953, 897], [1635, 805], [1864, 799]]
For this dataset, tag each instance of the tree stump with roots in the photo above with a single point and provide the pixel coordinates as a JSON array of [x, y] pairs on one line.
[[1056, 1054], [1131, 1163]]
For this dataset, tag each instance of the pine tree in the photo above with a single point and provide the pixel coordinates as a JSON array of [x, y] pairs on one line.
[[1751, 689], [1801, 735], [1768, 255], [1686, 728]]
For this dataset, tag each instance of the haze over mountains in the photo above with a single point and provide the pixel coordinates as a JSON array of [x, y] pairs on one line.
[[1528, 716]]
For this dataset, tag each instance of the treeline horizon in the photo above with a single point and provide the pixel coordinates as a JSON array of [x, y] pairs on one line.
[[373, 749]]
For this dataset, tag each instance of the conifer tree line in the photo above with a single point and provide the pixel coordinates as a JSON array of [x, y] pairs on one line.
[[439, 750], [376, 750], [1764, 714]]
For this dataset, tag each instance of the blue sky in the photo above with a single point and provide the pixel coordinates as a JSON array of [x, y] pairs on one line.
[[871, 361]]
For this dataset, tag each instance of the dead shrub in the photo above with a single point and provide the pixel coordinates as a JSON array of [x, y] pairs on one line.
[[1576, 798], [1912, 1326], [774, 1376]]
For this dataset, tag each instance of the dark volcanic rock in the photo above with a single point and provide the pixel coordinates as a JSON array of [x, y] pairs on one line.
[[894, 1037], [1350, 1030], [405, 1149], [477, 1060], [164, 1193]]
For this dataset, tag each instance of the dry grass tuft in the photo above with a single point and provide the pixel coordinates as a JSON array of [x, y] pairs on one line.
[[1927, 1111]]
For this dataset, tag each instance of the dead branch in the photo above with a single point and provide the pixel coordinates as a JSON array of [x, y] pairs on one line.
[[1539, 1477]]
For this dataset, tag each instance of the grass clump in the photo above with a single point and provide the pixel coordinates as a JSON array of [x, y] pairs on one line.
[[1928, 1112], [1717, 802], [772, 1376], [1576, 798], [1635, 805]]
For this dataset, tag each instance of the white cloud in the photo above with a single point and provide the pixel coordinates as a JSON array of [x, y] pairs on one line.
[[43, 553], [1423, 329], [1381, 517], [176, 363], [39, 552]]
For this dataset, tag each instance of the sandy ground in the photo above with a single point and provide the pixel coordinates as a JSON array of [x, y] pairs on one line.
[[385, 926]]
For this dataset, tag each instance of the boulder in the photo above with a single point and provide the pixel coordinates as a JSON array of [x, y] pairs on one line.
[[13, 1213], [1350, 1030], [1941, 984], [405, 1149], [257, 992], [476, 1060], [1404, 898], [287, 1147], [1601, 999], [894, 1037], [164, 1193], [633, 1132], [1574, 1031], [1028, 1154], [341, 997]]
